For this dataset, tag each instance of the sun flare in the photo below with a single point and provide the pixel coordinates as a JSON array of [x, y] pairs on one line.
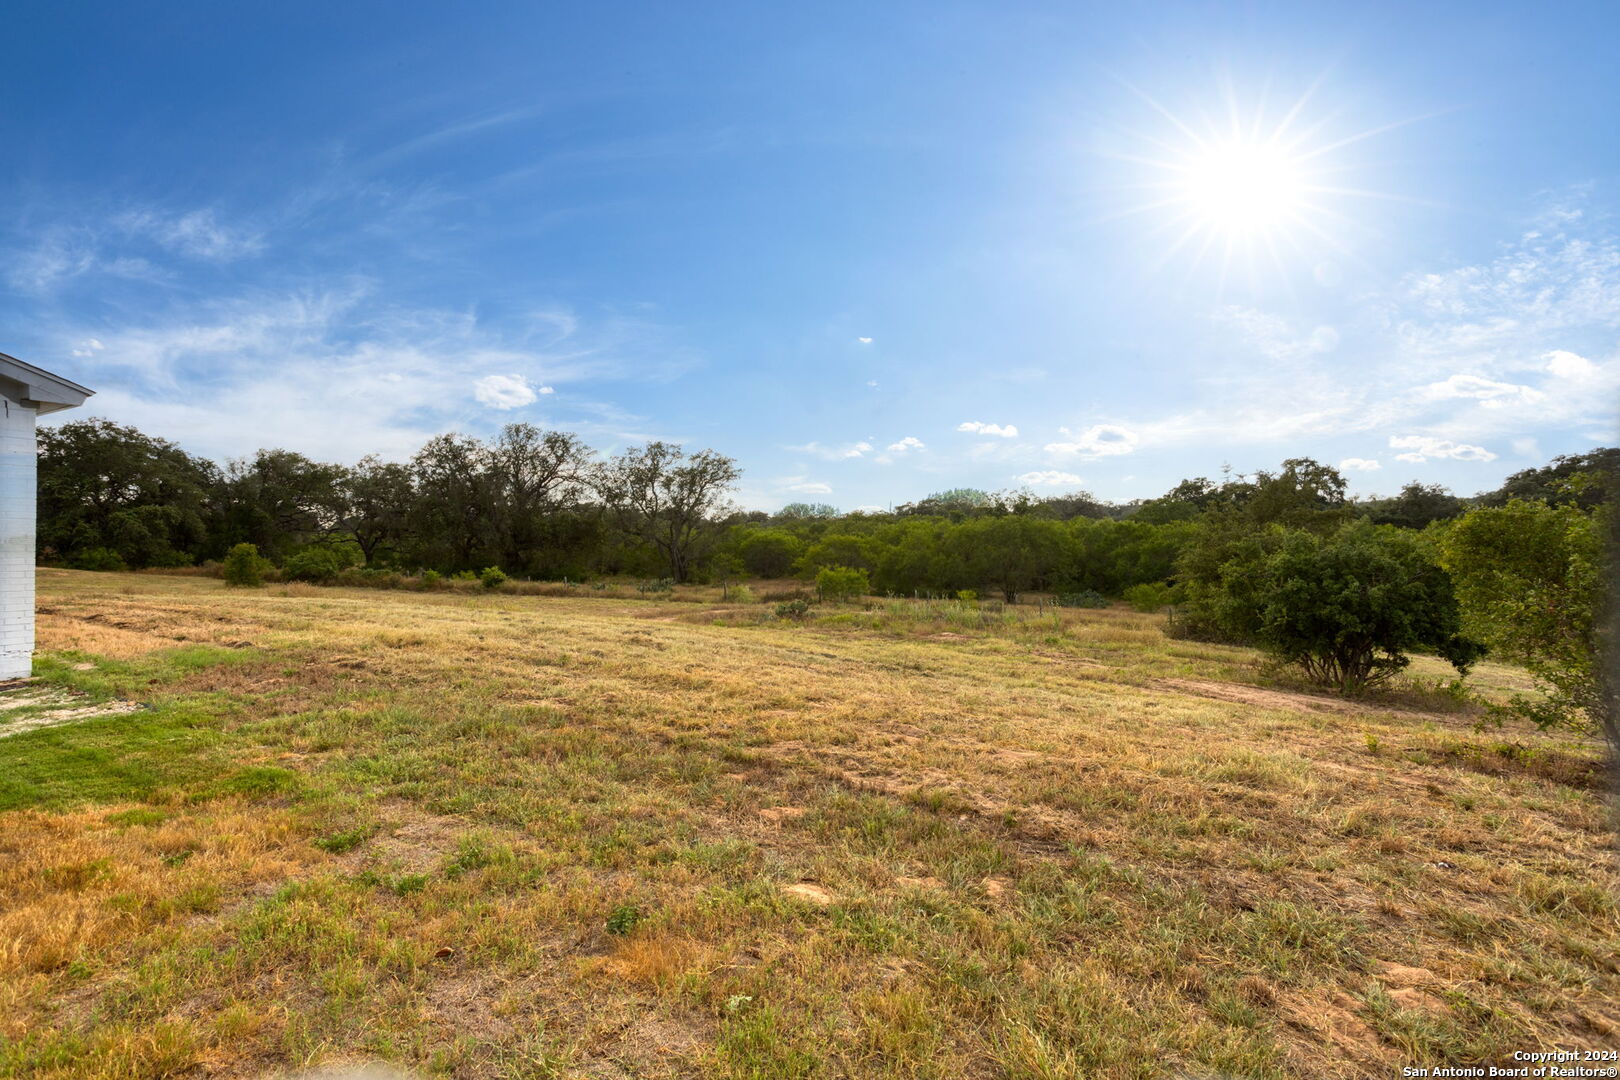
[[1245, 186]]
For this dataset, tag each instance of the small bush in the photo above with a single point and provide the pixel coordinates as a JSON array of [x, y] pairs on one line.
[[463, 575], [312, 564], [838, 583], [623, 919], [1088, 598], [1150, 596], [967, 596], [245, 567], [793, 609], [430, 579], [741, 594], [493, 577], [99, 558]]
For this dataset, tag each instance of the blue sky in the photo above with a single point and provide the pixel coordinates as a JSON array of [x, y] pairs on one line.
[[871, 251]]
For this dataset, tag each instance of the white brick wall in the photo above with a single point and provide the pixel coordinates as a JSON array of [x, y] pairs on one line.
[[19, 460]]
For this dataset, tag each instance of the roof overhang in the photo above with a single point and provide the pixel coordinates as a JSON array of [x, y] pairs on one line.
[[37, 388]]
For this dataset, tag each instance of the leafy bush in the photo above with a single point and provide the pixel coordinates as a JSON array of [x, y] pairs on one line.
[[1530, 580], [98, 558], [1087, 598], [492, 577], [623, 919], [1150, 596], [967, 596], [793, 609], [244, 566], [463, 575], [316, 563], [430, 579], [837, 583], [740, 594], [1348, 607]]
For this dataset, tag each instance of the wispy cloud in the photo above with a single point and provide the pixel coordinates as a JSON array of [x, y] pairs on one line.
[[1357, 464], [341, 373], [833, 453], [802, 485], [198, 234]]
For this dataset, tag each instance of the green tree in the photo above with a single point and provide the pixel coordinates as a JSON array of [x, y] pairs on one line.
[[109, 489], [1349, 607], [668, 499], [374, 501], [839, 583], [1014, 553], [244, 566], [1584, 480], [1530, 577], [769, 553], [1417, 506]]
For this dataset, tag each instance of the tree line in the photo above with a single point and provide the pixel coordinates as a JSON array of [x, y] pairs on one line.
[[1345, 589]]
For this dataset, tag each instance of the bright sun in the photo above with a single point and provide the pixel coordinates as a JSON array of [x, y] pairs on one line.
[[1242, 188], [1242, 185]]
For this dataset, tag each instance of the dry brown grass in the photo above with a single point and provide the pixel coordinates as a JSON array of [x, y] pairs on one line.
[[623, 808]]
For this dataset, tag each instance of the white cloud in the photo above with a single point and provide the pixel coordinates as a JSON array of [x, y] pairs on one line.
[[872, 383], [1357, 464], [908, 443], [1423, 447], [1562, 364], [803, 485], [1008, 431], [864, 340], [89, 348], [1048, 478], [834, 453], [1101, 440], [1488, 392], [504, 391], [340, 374]]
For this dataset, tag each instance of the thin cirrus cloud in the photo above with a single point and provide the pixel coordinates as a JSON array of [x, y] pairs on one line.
[[1004, 431], [1358, 464]]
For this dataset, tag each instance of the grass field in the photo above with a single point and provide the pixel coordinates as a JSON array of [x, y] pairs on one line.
[[496, 835]]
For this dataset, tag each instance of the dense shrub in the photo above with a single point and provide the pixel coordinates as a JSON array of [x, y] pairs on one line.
[[793, 609], [98, 558], [1085, 598], [244, 566], [1150, 596], [1347, 608], [492, 577], [839, 583], [1530, 578], [318, 562]]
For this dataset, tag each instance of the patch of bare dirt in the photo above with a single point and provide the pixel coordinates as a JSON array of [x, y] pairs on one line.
[[811, 892], [29, 708]]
